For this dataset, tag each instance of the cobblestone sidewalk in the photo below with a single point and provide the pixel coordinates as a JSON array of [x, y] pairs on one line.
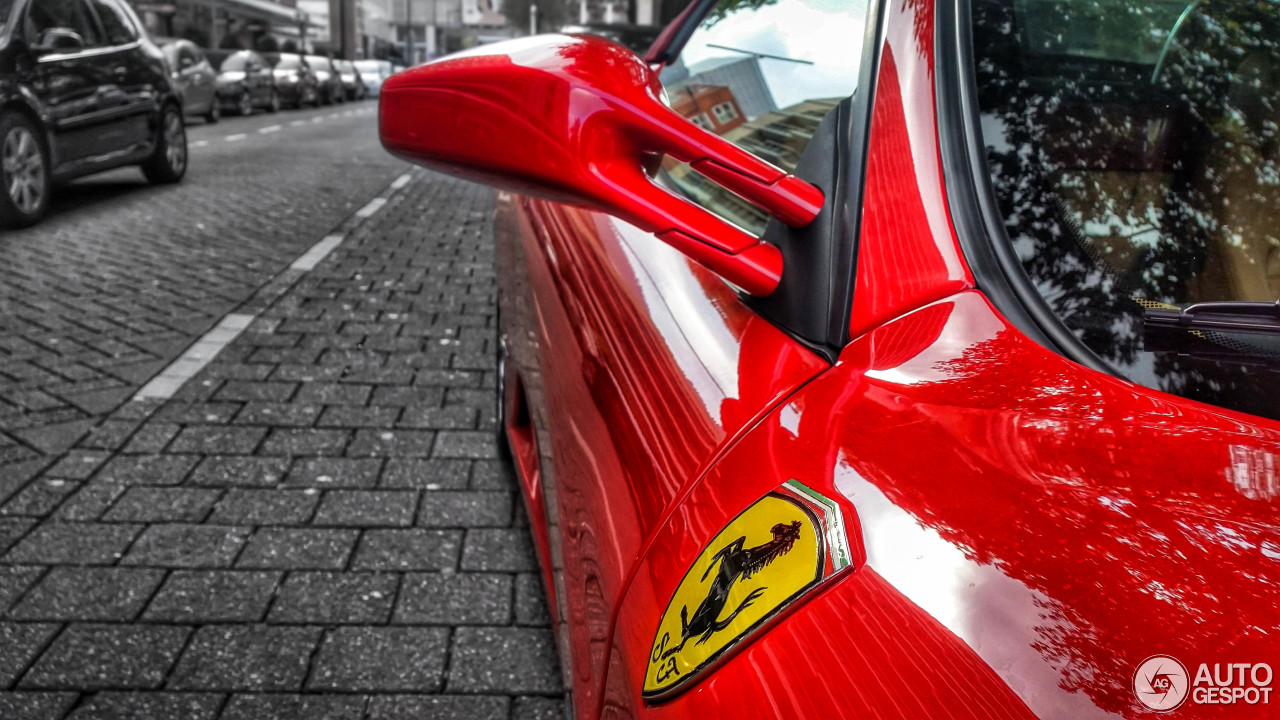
[[318, 525]]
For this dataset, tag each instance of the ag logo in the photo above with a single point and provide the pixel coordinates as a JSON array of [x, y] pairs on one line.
[[772, 553], [1160, 683]]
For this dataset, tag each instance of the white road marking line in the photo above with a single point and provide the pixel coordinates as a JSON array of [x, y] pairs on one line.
[[374, 206], [296, 123], [334, 115], [237, 136], [349, 113], [318, 252], [401, 181], [173, 377], [269, 129], [317, 119], [200, 143]]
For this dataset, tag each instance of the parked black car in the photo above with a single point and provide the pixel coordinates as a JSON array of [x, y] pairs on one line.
[[82, 89], [330, 82], [295, 82], [245, 81], [195, 78]]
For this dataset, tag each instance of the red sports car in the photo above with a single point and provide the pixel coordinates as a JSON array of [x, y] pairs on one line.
[[901, 359]]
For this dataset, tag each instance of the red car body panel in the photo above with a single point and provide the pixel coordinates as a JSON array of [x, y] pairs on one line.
[[638, 359]]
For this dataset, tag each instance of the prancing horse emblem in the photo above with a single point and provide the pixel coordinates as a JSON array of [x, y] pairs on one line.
[[734, 562]]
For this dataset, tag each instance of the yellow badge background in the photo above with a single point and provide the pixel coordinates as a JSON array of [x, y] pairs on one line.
[[784, 577]]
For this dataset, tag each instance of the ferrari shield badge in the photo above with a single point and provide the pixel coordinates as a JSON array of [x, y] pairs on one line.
[[768, 556]]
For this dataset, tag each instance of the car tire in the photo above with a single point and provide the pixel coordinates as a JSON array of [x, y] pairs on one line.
[[244, 106], [169, 161], [215, 112], [24, 172], [274, 106]]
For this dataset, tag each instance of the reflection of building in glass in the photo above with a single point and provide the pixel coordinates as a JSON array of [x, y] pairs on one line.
[[710, 106], [741, 75], [778, 137]]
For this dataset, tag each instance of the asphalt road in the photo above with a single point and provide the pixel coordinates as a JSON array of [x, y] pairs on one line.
[[317, 523]]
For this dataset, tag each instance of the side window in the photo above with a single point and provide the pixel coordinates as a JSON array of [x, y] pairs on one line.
[[70, 15], [187, 58], [115, 21], [1134, 154], [762, 75]]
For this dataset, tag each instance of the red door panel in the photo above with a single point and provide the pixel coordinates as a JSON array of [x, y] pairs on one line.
[[1033, 531], [639, 366]]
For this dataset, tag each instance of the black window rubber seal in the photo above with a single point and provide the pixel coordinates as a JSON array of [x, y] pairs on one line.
[[971, 201]]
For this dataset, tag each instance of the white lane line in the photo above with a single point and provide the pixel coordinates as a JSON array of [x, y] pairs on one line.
[[173, 377], [349, 113], [200, 143], [317, 119], [296, 123], [269, 129], [237, 136], [374, 206], [401, 181], [318, 252], [334, 115]]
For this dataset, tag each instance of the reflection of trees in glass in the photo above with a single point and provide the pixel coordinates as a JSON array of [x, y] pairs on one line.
[[725, 8], [1121, 182]]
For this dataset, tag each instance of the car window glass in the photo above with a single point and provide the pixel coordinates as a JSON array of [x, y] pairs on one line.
[[115, 22], [762, 76], [1134, 153], [60, 14], [235, 63], [186, 57], [6, 6], [318, 64], [289, 62]]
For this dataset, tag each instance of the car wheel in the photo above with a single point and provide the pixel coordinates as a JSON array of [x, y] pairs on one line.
[[245, 104], [24, 172], [169, 161], [275, 103], [215, 112]]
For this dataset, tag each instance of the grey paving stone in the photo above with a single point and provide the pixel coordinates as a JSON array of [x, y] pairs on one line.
[[367, 508], [246, 391], [19, 645], [198, 413], [251, 506], [391, 443], [299, 549], [294, 707], [152, 437], [89, 593], [323, 393], [93, 657], [14, 581], [11, 529], [439, 418], [531, 600], [35, 705], [305, 441], [477, 445], [414, 549], [90, 501], [350, 416], [492, 475], [40, 497], [538, 708], [335, 598], [279, 414], [383, 659], [465, 509], [77, 465], [438, 707], [402, 396], [454, 599], [209, 596], [246, 657], [233, 471], [217, 439], [163, 504], [505, 660], [118, 705], [74, 544], [499, 549], [334, 473], [110, 435], [188, 546], [426, 474]]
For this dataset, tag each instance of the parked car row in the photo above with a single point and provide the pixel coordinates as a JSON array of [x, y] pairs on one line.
[[212, 82]]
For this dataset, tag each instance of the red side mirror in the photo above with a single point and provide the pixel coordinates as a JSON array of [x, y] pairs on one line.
[[577, 119]]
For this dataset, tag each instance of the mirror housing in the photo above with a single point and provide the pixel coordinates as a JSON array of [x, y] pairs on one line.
[[580, 119]]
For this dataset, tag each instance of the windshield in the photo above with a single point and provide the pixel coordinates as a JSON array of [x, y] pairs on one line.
[[5, 7], [289, 62], [1134, 152], [235, 63], [318, 64]]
